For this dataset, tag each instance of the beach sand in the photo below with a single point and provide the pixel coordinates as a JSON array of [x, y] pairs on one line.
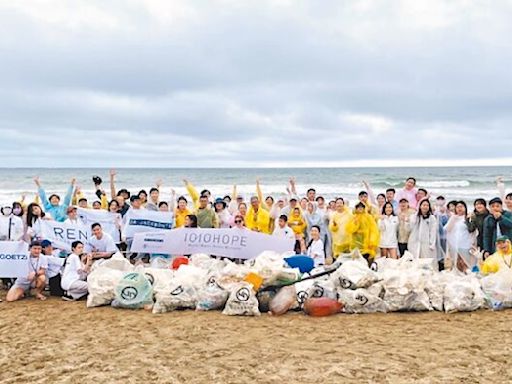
[[62, 342]]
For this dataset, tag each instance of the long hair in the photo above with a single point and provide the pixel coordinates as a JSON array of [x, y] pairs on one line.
[[31, 218], [429, 213]]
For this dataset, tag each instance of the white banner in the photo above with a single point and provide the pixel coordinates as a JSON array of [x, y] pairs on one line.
[[13, 259], [110, 222], [142, 221], [228, 242], [63, 234]]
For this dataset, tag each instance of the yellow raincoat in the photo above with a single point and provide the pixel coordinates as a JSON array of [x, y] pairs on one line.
[[297, 223], [365, 233], [180, 217], [497, 262], [258, 221], [192, 191], [341, 239]]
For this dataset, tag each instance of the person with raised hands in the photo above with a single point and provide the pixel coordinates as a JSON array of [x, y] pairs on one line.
[[52, 204]]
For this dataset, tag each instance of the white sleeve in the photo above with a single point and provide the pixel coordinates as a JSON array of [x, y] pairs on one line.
[[111, 246]]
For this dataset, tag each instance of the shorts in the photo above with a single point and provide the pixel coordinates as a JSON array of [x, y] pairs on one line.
[[23, 283]]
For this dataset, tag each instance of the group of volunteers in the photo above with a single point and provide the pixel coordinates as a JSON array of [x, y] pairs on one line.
[[384, 225]]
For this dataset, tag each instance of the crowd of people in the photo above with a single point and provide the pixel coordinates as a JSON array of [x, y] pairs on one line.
[[384, 225]]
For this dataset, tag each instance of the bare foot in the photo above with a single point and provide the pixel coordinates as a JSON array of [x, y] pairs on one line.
[[40, 296]]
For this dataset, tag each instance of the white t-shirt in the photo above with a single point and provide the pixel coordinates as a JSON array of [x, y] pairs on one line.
[[54, 265], [285, 232], [316, 252], [105, 244], [71, 274]]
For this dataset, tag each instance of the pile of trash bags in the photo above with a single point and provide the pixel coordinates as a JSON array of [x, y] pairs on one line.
[[278, 283]]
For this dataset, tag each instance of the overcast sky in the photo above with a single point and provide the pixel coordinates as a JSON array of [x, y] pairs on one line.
[[264, 83]]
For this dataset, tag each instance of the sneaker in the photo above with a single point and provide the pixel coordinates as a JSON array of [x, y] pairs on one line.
[[68, 298]]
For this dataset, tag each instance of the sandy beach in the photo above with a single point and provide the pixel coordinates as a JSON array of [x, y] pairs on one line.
[[60, 342]]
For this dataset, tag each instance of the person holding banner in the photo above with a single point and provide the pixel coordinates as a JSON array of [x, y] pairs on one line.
[[36, 279], [257, 219], [52, 204], [78, 266]]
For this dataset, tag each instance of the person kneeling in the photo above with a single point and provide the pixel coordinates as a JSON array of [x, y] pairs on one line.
[[36, 279], [75, 273]]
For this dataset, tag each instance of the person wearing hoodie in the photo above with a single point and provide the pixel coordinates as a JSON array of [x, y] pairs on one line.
[[497, 224], [52, 204], [364, 232], [475, 221]]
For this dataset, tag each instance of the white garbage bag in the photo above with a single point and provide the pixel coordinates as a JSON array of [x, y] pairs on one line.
[[242, 301], [360, 301], [178, 294], [463, 293], [101, 283]]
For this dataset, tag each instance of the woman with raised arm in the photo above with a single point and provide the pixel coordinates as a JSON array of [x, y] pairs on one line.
[[52, 204]]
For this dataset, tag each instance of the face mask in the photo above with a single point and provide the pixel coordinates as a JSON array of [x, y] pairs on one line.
[[6, 211], [17, 211]]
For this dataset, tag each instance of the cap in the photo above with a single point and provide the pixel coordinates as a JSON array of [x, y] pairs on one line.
[[71, 209], [502, 238], [293, 198], [495, 200], [46, 243]]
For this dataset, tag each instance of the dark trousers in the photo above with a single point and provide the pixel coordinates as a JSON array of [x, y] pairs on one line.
[[402, 247], [55, 288]]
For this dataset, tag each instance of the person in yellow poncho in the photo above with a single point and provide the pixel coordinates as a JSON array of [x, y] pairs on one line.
[[501, 259], [298, 225], [257, 219], [371, 209], [341, 239], [364, 231], [181, 212]]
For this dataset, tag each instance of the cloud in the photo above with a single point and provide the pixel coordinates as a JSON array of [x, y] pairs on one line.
[[228, 83]]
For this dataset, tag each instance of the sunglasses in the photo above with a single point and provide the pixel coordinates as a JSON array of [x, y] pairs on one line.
[[238, 221]]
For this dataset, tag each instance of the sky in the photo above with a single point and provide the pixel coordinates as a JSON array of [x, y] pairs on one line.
[[225, 83]]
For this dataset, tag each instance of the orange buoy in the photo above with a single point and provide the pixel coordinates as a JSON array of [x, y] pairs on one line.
[[322, 306]]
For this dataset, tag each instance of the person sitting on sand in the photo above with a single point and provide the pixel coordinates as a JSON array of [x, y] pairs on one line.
[[76, 269], [36, 278], [501, 259]]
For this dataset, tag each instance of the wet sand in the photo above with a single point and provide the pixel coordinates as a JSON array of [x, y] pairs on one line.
[[62, 342]]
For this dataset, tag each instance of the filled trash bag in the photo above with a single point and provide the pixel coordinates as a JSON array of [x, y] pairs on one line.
[[405, 290], [361, 301], [322, 306], [211, 296], [498, 289], [353, 274], [242, 301], [463, 294], [322, 288], [304, 263], [134, 291], [283, 301], [103, 280], [178, 294]]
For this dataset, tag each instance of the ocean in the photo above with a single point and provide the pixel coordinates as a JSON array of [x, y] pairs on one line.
[[457, 183]]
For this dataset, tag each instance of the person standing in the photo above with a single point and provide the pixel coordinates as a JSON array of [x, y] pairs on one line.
[[341, 239], [364, 232], [409, 192], [424, 229], [497, 224], [52, 204], [388, 226]]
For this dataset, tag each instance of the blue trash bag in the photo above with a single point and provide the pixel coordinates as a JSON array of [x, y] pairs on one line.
[[304, 263]]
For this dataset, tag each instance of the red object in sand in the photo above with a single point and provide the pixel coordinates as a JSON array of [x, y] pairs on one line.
[[322, 306], [179, 261]]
